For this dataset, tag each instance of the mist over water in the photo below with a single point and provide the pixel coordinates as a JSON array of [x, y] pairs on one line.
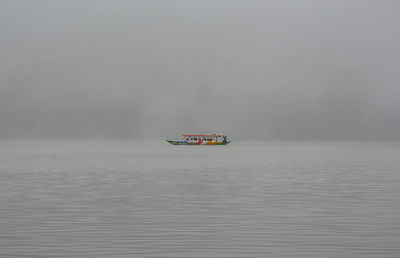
[[276, 70], [116, 199], [308, 92]]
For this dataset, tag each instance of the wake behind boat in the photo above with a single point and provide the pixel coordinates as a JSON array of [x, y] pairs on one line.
[[201, 139]]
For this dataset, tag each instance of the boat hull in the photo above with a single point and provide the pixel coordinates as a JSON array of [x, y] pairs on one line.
[[197, 143]]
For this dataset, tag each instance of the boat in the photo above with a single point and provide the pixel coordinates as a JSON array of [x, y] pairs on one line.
[[201, 139]]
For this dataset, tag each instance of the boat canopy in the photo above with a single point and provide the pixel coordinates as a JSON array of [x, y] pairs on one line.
[[202, 135]]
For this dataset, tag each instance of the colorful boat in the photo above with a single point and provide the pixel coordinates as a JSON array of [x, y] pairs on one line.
[[201, 139]]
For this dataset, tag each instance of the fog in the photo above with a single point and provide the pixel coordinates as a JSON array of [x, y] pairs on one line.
[[270, 70]]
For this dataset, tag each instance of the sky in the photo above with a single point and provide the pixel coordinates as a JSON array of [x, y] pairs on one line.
[[253, 70]]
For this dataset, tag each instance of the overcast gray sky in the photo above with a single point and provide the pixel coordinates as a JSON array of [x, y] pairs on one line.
[[273, 70]]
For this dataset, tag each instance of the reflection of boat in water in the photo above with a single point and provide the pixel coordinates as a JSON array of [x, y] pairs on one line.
[[201, 139]]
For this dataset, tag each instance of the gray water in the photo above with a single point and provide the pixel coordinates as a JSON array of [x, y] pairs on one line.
[[127, 199]]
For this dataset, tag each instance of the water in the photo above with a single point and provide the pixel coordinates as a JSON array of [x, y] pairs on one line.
[[116, 199]]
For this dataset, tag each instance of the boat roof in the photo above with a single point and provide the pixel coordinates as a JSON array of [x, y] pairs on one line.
[[208, 135]]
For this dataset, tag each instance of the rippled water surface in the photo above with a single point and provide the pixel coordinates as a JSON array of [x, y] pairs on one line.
[[118, 199]]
